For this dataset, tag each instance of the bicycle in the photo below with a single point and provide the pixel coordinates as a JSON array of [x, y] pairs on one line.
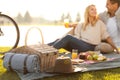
[[9, 33]]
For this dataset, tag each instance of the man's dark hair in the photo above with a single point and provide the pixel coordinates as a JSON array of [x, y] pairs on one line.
[[115, 1]]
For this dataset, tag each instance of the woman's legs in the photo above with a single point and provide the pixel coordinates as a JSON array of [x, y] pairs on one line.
[[81, 45], [69, 42], [62, 43]]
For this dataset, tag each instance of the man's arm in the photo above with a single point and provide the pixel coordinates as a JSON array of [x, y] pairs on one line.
[[109, 40]]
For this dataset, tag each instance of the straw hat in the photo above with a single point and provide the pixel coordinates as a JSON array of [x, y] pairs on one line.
[[62, 65]]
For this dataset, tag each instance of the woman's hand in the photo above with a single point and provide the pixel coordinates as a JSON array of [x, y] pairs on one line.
[[73, 25]]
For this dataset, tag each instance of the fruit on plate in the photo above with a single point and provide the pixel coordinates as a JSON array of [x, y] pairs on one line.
[[92, 55], [95, 56], [101, 58], [83, 55], [89, 57]]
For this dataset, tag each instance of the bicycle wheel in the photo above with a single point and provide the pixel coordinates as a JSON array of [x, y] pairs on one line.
[[9, 33]]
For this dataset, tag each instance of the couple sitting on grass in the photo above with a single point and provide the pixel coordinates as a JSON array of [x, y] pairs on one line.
[[87, 35]]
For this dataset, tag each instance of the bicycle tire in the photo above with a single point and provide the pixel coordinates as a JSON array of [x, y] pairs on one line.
[[17, 32]]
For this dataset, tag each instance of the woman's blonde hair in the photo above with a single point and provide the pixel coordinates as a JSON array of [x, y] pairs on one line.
[[86, 18]]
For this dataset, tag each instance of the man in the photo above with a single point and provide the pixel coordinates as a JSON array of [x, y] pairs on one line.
[[111, 18]]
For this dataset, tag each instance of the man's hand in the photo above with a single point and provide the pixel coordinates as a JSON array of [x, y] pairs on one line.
[[117, 51]]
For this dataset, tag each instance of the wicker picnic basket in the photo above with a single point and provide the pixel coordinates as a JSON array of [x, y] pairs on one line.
[[47, 54]]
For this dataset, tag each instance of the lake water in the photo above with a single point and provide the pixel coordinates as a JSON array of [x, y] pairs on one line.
[[50, 33]]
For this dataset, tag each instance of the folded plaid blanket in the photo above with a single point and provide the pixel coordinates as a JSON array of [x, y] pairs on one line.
[[21, 62]]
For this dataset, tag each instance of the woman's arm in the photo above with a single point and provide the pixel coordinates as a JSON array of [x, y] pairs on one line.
[[109, 40]]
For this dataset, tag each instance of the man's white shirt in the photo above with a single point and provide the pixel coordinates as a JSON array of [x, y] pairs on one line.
[[113, 30]]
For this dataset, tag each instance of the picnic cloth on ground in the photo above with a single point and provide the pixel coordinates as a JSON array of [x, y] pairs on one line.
[[114, 62], [18, 63]]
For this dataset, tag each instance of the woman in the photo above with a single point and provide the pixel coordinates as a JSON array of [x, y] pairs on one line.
[[86, 35]]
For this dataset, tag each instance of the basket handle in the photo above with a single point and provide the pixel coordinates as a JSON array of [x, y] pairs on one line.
[[26, 37]]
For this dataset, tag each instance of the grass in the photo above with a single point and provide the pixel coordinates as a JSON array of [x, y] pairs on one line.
[[4, 49], [108, 74]]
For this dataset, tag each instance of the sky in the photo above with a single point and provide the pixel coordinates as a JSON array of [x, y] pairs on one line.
[[49, 9]]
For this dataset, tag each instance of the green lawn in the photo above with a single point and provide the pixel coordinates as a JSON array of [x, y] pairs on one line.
[[109, 74]]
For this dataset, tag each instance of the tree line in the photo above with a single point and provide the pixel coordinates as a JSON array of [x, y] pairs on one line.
[[29, 20]]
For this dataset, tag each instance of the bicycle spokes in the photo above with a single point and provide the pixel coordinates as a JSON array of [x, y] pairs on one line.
[[1, 32]]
